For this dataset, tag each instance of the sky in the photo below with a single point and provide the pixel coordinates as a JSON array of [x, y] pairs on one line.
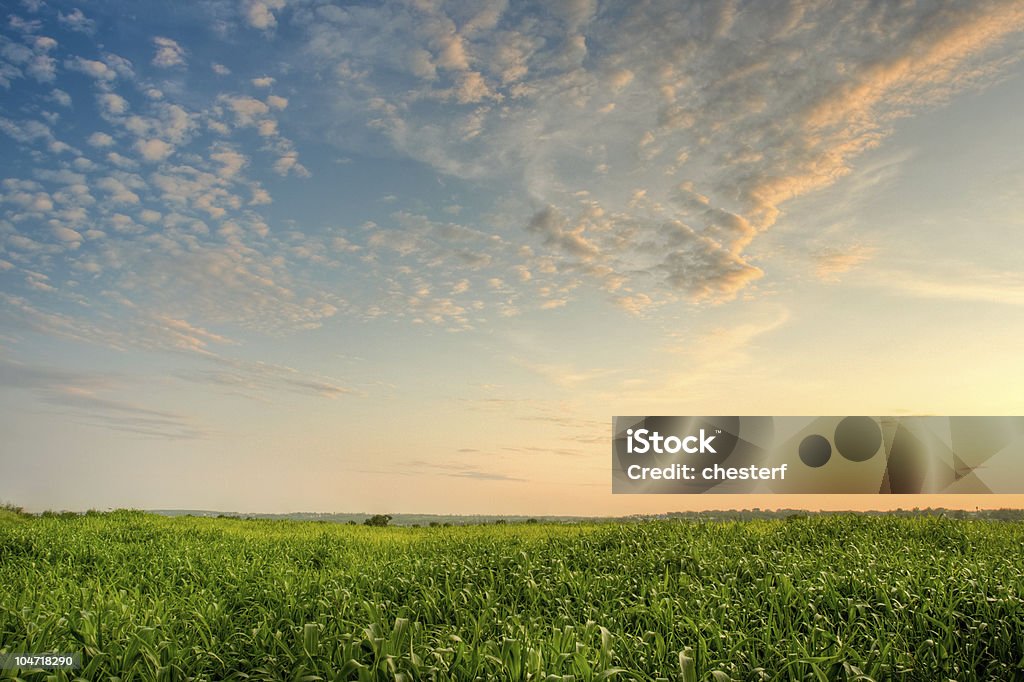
[[293, 255]]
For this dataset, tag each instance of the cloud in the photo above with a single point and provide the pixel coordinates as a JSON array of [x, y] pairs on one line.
[[16, 53], [8, 73], [121, 161], [109, 69], [746, 110], [1000, 288], [23, 25], [41, 66], [253, 379], [80, 395], [70, 237], [174, 122], [833, 262], [456, 470], [701, 267], [699, 361], [223, 279], [472, 87], [112, 104], [183, 335], [451, 51], [558, 234], [157, 135], [421, 64], [91, 67], [25, 196], [260, 13], [76, 21], [638, 155], [289, 163], [450, 274], [564, 375], [262, 380], [100, 140], [729, 344], [44, 44], [149, 215], [19, 375], [26, 132], [117, 190], [106, 260], [220, 69], [60, 97], [247, 110], [231, 162], [153, 150], [260, 197], [635, 304], [60, 325], [168, 53]]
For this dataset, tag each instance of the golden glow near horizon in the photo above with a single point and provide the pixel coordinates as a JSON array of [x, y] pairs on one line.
[[413, 257]]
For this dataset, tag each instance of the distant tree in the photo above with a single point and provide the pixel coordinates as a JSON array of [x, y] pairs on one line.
[[13, 508], [379, 520], [531, 521], [434, 524]]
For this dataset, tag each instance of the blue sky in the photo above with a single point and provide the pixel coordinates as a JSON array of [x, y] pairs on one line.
[[413, 256]]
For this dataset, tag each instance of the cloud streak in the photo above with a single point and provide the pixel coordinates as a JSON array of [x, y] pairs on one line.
[[78, 395]]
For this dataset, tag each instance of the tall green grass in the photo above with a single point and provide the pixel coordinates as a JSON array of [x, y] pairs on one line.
[[821, 598]]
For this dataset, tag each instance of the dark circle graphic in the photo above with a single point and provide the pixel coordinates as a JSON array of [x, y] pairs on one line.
[[858, 438], [815, 450]]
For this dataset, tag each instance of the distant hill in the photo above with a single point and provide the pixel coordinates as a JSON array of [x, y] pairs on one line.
[[396, 519], [482, 519]]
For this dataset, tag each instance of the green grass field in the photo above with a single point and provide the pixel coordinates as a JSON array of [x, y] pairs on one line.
[[820, 598]]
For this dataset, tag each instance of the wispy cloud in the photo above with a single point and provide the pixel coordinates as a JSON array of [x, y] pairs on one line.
[[79, 396], [457, 470], [158, 332], [956, 284], [423, 468], [264, 381], [565, 375], [835, 261]]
